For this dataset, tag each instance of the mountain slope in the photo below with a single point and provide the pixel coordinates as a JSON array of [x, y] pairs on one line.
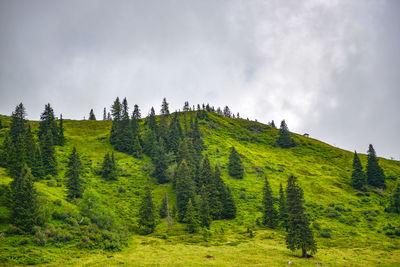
[[351, 227]]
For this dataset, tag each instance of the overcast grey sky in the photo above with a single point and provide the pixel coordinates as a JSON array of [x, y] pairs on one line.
[[330, 68]]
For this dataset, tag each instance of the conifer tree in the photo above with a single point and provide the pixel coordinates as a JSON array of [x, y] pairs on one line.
[[104, 114], [48, 154], [92, 117], [61, 138], [48, 123], [164, 107], [73, 175], [150, 143], [206, 174], [29, 148], [160, 162], [270, 215], [191, 218], [124, 141], [24, 203], [175, 134], [116, 115], [37, 166], [235, 166], [184, 189], [204, 212], [18, 124], [227, 112], [198, 144], [229, 205], [375, 175], [299, 234], [284, 139], [163, 207], [147, 213], [108, 169], [151, 121], [283, 216], [394, 204], [358, 179], [272, 124], [15, 156]]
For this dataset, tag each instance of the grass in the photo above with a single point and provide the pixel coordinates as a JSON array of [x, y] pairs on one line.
[[351, 228]]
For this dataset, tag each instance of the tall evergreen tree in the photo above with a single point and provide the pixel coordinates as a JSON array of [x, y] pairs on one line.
[[174, 134], [1, 125], [18, 124], [283, 216], [37, 166], [73, 174], [48, 154], [229, 205], [150, 143], [151, 121], [147, 213], [108, 169], [164, 107], [116, 115], [61, 138], [92, 117], [284, 139], [299, 234], [24, 203], [235, 166], [191, 218], [375, 175], [29, 148], [270, 215], [394, 204], [198, 144], [204, 212], [104, 114], [48, 123], [185, 189], [358, 179], [162, 212], [160, 162]]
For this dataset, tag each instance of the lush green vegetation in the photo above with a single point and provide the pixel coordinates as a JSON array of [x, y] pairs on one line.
[[351, 227]]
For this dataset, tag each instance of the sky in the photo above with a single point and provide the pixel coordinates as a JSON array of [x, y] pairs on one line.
[[330, 68]]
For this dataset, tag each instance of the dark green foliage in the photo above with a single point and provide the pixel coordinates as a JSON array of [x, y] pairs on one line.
[[160, 162], [186, 152], [109, 169], [104, 114], [162, 212], [375, 175], [175, 135], [229, 205], [92, 117], [48, 123], [198, 144], [24, 203], [147, 213], [283, 216], [164, 107], [18, 124], [191, 218], [299, 234], [37, 166], [394, 205], [270, 215], [235, 166], [185, 189], [358, 178], [151, 121], [284, 139], [272, 124], [61, 138], [124, 140], [48, 154], [150, 143], [204, 211], [116, 115], [206, 174], [73, 174]]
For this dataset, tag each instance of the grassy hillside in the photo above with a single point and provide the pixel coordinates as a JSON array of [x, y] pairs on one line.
[[351, 227]]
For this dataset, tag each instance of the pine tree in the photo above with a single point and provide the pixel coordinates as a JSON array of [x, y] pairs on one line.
[[61, 138], [198, 144], [48, 154], [394, 205], [29, 148], [124, 141], [227, 112], [235, 166], [284, 139], [184, 189], [204, 212], [229, 205], [48, 123], [299, 234], [164, 107], [206, 174], [375, 175], [270, 215], [162, 212], [116, 115], [150, 144], [272, 124], [108, 169], [186, 106], [358, 179], [283, 216], [147, 213], [191, 218], [37, 167], [104, 114], [15, 156], [73, 174], [92, 117], [160, 163], [151, 121], [18, 124], [24, 203], [175, 134]]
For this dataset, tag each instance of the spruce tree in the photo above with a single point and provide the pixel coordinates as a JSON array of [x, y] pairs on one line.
[[73, 174], [198, 144], [191, 218], [229, 205], [124, 141], [151, 121], [204, 212], [48, 154], [104, 114], [270, 215], [29, 147], [61, 138], [116, 115], [358, 179], [283, 216], [48, 123], [37, 166], [108, 169], [92, 117], [164, 107], [160, 162], [162, 212], [394, 204], [147, 213], [150, 143], [18, 124], [185, 189], [235, 166], [375, 175], [299, 234], [284, 139], [24, 203]]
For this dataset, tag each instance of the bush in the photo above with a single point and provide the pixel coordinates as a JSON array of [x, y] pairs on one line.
[[325, 233]]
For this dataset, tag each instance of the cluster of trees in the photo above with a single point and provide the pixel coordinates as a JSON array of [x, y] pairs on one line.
[[284, 139], [374, 174], [290, 215]]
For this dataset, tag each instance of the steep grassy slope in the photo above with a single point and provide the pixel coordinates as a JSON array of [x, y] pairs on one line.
[[351, 227]]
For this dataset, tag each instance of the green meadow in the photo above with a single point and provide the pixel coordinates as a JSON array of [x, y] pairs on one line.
[[351, 227]]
